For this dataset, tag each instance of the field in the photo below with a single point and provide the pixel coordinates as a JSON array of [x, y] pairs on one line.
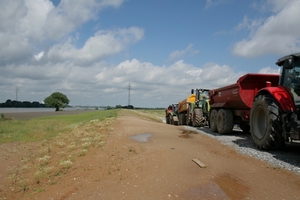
[[48, 146]]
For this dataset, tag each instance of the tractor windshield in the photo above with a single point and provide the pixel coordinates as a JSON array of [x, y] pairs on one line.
[[291, 80]]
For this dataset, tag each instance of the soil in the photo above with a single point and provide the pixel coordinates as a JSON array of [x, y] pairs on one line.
[[146, 159]]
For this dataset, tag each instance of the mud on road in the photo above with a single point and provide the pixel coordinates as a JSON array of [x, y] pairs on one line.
[[146, 159]]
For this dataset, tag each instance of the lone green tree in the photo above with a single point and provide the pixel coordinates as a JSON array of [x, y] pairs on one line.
[[57, 100]]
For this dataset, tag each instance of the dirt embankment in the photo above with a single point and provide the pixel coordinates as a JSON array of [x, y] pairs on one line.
[[143, 159]]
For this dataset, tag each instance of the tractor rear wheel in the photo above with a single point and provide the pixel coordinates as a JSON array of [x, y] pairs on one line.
[[265, 123], [167, 119], [225, 121], [213, 120], [171, 119], [197, 116]]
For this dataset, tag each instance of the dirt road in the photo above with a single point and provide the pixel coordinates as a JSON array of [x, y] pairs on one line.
[[143, 159]]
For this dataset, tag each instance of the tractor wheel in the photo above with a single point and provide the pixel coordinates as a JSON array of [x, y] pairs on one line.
[[265, 123], [168, 119], [225, 121], [183, 119], [197, 116], [171, 120], [213, 120]]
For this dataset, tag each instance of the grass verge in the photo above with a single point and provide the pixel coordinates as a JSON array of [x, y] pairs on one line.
[[58, 142]]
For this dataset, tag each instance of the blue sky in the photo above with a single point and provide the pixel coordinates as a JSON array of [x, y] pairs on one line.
[[91, 50]]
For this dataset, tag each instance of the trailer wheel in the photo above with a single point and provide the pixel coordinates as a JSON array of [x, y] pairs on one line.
[[197, 116], [213, 120], [265, 123], [225, 121], [189, 118], [182, 119]]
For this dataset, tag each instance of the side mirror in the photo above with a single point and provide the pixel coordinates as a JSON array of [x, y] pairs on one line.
[[289, 63]]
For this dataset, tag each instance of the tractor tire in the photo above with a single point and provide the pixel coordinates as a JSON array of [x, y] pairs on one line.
[[171, 120], [213, 120], [183, 119], [167, 119], [197, 116], [265, 123], [225, 121]]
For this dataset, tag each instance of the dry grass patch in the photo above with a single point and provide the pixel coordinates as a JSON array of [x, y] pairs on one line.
[[54, 157]]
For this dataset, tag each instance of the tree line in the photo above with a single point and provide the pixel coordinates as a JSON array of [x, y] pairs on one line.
[[22, 104]]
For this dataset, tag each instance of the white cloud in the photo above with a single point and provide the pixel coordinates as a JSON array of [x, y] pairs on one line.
[[269, 70], [39, 55], [278, 34], [178, 54], [102, 45], [26, 24], [103, 82]]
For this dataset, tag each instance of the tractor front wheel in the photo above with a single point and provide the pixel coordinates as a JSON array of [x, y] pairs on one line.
[[265, 123], [197, 116]]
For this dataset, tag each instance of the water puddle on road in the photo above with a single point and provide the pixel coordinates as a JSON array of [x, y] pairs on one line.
[[222, 187], [209, 191], [142, 137], [232, 186]]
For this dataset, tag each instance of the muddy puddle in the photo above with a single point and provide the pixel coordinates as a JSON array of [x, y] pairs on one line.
[[222, 187], [142, 137], [187, 134]]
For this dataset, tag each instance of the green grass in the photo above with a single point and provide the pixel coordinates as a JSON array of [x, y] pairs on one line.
[[38, 129]]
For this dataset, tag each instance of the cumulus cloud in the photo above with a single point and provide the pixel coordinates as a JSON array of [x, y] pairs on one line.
[[104, 82], [102, 45], [39, 54], [278, 34], [25, 24]]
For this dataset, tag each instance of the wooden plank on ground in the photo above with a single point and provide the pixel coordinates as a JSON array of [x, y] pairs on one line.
[[198, 162]]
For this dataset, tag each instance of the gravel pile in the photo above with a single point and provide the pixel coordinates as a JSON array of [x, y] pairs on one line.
[[287, 158]]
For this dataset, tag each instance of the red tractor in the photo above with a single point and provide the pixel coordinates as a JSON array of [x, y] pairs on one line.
[[267, 105], [171, 114]]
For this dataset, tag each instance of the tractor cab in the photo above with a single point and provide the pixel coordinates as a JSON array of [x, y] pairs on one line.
[[202, 99], [290, 75]]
